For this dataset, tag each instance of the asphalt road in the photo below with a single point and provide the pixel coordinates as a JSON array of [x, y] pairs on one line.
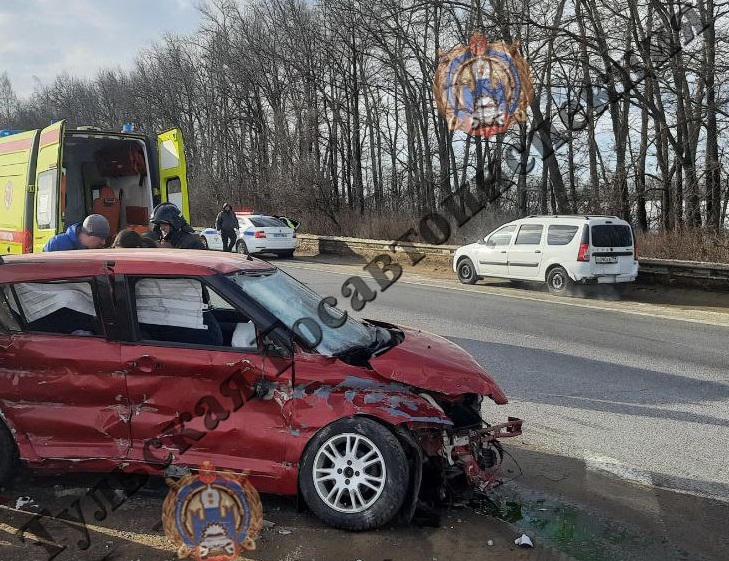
[[605, 387], [638, 391]]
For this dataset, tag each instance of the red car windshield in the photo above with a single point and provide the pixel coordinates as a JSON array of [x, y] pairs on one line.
[[291, 301]]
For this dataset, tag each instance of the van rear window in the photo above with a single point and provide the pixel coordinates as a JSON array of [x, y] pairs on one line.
[[611, 235], [559, 234]]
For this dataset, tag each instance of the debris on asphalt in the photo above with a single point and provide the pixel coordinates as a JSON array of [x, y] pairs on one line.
[[267, 524], [284, 532], [490, 543], [25, 501], [524, 541]]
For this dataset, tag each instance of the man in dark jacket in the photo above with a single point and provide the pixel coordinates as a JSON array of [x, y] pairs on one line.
[[172, 230], [91, 234], [227, 223]]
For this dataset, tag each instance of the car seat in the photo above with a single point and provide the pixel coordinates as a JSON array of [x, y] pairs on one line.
[[137, 218], [107, 204]]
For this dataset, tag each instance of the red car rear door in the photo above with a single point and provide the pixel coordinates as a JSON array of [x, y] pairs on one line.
[[61, 385]]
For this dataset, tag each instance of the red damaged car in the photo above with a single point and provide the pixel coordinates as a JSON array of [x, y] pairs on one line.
[[157, 360]]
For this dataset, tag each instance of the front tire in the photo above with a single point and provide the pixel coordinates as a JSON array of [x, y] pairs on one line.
[[466, 271], [204, 241], [559, 282], [354, 474]]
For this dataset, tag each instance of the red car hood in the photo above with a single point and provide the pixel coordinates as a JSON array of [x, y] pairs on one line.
[[430, 362]]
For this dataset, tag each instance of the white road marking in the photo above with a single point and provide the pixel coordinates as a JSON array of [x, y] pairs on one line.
[[148, 540]]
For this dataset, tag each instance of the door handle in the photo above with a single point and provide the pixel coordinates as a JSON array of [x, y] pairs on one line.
[[537, 251], [504, 251], [145, 363]]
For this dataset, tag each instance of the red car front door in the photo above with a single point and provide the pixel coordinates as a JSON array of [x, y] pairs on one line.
[[195, 398]]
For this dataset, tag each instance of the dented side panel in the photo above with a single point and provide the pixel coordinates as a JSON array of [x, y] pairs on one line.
[[191, 405], [315, 405], [65, 396], [318, 404]]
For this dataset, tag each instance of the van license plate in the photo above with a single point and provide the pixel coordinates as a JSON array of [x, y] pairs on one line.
[[606, 259]]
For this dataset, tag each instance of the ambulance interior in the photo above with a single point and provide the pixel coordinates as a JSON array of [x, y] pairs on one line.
[[106, 175]]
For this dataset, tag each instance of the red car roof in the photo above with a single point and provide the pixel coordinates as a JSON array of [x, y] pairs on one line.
[[61, 264]]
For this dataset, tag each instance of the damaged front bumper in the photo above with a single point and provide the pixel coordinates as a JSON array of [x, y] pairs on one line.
[[479, 453], [470, 455]]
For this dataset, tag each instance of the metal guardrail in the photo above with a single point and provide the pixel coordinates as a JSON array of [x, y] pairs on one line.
[[693, 270], [713, 276]]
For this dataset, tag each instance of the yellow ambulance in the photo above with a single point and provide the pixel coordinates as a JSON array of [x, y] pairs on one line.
[[53, 177]]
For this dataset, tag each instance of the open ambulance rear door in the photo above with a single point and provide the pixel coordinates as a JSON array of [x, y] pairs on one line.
[[173, 170], [47, 212]]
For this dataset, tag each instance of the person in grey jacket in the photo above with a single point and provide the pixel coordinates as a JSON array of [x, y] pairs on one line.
[[227, 223]]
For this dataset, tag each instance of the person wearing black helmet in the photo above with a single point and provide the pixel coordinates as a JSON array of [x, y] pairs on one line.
[[172, 229]]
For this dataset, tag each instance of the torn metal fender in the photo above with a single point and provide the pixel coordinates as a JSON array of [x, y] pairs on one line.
[[317, 405]]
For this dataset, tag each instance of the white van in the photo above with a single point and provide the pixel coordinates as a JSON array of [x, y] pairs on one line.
[[558, 250]]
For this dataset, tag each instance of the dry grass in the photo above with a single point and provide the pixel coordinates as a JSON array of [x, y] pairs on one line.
[[391, 225], [685, 245]]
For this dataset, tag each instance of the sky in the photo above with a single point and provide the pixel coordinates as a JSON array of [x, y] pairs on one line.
[[42, 38]]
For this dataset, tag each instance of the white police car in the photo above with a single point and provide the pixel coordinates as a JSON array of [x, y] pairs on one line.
[[257, 233]]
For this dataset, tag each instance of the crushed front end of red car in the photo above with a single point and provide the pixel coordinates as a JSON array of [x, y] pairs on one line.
[[462, 454], [464, 458]]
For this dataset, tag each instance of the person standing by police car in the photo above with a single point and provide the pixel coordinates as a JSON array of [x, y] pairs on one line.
[[227, 224]]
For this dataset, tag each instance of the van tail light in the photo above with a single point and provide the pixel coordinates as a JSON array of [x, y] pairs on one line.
[[584, 253], [635, 248], [27, 242], [259, 234]]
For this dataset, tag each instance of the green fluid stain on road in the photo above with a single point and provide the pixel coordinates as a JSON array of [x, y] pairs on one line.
[[566, 528]]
